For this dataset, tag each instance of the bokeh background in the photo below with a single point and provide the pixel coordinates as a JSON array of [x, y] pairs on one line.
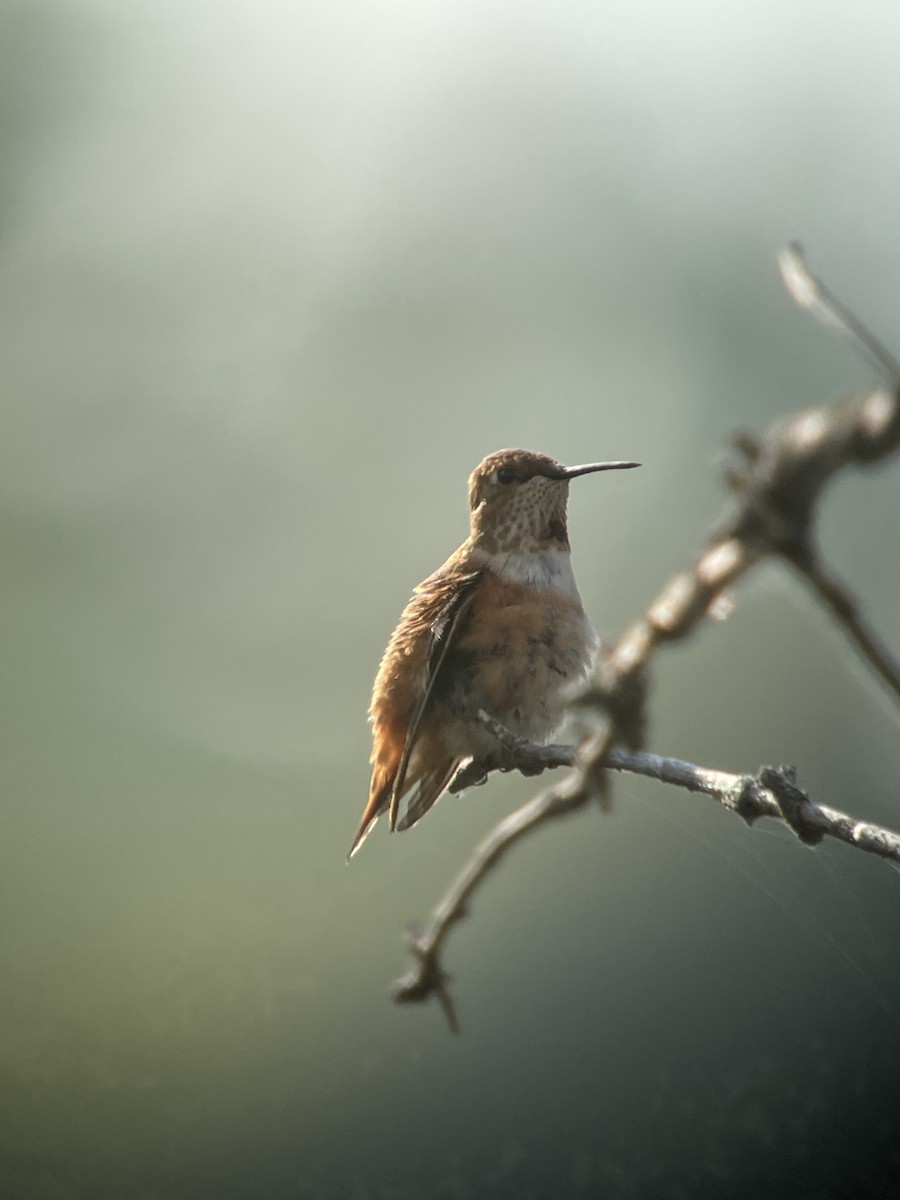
[[273, 278]]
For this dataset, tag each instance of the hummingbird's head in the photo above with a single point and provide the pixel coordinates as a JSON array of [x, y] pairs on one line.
[[517, 500]]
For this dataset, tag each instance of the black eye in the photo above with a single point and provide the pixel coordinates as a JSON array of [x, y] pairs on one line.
[[506, 475]]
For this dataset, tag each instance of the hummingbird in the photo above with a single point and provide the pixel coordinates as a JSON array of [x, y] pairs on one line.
[[500, 627]]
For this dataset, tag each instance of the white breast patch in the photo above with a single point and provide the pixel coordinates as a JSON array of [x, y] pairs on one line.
[[546, 570]]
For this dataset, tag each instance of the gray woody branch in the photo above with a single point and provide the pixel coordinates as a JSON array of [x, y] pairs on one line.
[[777, 484], [771, 792]]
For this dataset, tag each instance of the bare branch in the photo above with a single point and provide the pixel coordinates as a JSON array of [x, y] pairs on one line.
[[772, 792], [777, 484]]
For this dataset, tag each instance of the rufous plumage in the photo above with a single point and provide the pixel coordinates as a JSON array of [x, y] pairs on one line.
[[500, 627]]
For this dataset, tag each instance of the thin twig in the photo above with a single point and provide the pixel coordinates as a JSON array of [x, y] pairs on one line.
[[808, 291], [771, 792]]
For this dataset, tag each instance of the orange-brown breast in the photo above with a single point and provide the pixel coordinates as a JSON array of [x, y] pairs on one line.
[[516, 654]]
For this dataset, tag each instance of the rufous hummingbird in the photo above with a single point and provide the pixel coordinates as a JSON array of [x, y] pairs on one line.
[[500, 627]]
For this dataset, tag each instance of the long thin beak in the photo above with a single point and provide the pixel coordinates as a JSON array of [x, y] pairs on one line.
[[589, 468]]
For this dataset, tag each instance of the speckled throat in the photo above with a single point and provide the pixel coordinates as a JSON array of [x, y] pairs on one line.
[[526, 520]]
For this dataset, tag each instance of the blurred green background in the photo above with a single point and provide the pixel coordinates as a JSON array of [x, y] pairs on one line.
[[274, 277]]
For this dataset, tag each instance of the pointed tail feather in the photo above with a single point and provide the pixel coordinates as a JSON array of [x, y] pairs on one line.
[[429, 790], [431, 787], [379, 799], [365, 828]]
